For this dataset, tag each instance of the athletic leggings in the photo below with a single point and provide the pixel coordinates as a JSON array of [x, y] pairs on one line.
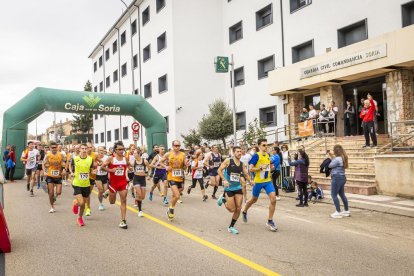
[[200, 181]]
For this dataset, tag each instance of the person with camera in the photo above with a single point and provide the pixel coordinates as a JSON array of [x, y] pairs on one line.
[[367, 115], [301, 164]]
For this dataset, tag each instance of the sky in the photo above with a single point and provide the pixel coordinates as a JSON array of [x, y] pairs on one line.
[[46, 43]]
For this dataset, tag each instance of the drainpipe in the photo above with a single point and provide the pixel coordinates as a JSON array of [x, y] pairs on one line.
[[140, 65], [119, 78], [283, 33], [104, 86]]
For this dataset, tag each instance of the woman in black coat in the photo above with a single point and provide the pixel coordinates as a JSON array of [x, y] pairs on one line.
[[349, 114]]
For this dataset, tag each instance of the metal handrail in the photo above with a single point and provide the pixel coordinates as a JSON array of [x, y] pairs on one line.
[[399, 135]]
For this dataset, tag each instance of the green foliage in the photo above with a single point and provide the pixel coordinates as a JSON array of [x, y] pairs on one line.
[[255, 130], [192, 138], [83, 122], [218, 124]]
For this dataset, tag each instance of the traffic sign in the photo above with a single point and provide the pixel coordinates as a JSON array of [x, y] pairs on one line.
[[135, 126], [135, 136], [222, 64]]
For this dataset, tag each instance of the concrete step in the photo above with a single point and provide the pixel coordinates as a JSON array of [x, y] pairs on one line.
[[369, 168], [352, 188], [350, 174], [351, 155], [350, 180], [354, 160]]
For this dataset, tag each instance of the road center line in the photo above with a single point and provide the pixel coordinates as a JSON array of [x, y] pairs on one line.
[[210, 245], [361, 234]]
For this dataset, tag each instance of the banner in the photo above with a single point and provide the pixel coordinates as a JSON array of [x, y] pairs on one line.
[[306, 128]]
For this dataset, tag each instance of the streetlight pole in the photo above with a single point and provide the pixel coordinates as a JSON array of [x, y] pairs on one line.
[[234, 98]]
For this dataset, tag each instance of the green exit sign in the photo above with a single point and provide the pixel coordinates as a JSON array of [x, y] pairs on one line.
[[222, 64]]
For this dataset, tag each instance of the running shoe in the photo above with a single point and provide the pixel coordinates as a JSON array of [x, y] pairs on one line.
[[336, 215], [277, 198], [28, 187], [205, 197], [272, 226], [233, 230], [179, 201], [101, 207], [75, 207], [166, 201], [189, 190], [52, 210], [105, 194], [220, 200], [43, 185], [123, 224], [213, 197], [244, 216], [87, 212], [150, 197], [170, 214], [345, 213], [31, 193], [140, 214], [80, 222], [38, 185], [161, 195]]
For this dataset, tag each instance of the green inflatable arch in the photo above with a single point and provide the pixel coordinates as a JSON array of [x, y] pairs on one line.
[[17, 117]]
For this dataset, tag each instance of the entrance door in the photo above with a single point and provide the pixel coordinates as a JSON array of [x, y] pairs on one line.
[[375, 88]]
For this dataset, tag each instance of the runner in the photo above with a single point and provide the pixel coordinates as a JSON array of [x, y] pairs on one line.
[[231, 171], [81, 184], [70, 165], [160, 175], [140, 183], [197, 172], [177, 162], [101, 177], [39, 170], [213, 159], [260, 165], [245, 159], [52, 167], [30, 157], [60, 149], [130, 157], [117, 168], [92, 177]]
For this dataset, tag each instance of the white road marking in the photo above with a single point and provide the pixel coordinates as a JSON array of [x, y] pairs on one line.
[[300, 219], [361, 234]]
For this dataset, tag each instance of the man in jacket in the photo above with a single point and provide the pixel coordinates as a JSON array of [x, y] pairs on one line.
[[367, 115]]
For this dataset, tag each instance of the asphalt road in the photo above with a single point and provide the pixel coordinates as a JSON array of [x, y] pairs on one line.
[[308, 241]]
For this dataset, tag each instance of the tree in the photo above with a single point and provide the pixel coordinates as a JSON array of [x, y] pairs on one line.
[[217, 125], [255, 130], [83, 122], [192, 138]]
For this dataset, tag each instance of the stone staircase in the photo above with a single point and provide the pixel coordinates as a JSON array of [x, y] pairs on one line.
[[361, 171]]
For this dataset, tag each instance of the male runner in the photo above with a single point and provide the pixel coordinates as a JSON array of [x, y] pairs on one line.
[[260, 165], [92, 177], [176, 163], [30, 157], [101, 177], [117, 167], [39, 170], [213, 159], [60, 149], [160, 174], [140, 182], [231, 171], [81, 185], [52, 167]]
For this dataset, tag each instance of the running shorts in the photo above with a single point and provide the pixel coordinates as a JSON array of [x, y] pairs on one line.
[[39, 167], [84, 191], [232, 193], [257, 188], [213, 172], [102, 178], [51, 180], [175, 183], [92, 182], [159, 177], [140, 181], [131, 176], [30, 171], [114, 189]]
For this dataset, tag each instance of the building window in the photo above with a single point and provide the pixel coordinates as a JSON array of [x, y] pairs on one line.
[[117, 134], [136, 91], [268, 115], [298, 4], [135, 61], [125, 133], [147, 52], [124, 69], [114, 47], [106, 54], [241, 120], [408, 14], [162, 84], [133, 30], [123, 38], [160, 4], [115, 76], [236, 32], [265, 66], [303, 51], [167, 122], [239, 76], [100, 61], [146, 16], [96, 137], [108, 136], [95, 89], [102, 137], [353, 33], [101, 86], [264, 17], [95, 66], [162, 42], [108, 81], [147, 91]]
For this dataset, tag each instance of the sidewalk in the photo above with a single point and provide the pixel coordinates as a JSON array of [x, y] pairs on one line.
[[378, 203]]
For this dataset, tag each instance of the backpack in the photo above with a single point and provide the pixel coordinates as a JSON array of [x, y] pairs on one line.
[[288, 184]]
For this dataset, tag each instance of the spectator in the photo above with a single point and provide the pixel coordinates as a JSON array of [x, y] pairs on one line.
[[312, 112], [12, 158], [301, 164], [333, 110], [350, 127], [275, 161], [323, 118], [338, 180], [367, 115], [304, 115], [5, 158], [361, 106], [285, 161], [316, 192]]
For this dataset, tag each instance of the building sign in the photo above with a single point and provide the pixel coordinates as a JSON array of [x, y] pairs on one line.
[[366, 55], [222, 64], [90, 105]]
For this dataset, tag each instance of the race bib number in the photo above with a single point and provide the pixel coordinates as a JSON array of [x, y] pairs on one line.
[[198, 173], [267, 169], [177, 173], [83, 176], [234, 177], [119, 172], [139, 169], [54, 173], [216, 164]]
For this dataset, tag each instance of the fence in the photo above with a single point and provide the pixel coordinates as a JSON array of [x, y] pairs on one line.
[[402, 134]]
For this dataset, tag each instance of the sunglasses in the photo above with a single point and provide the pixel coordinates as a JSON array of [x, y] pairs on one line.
[[53, 147], [120, 149], [177, 145]]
